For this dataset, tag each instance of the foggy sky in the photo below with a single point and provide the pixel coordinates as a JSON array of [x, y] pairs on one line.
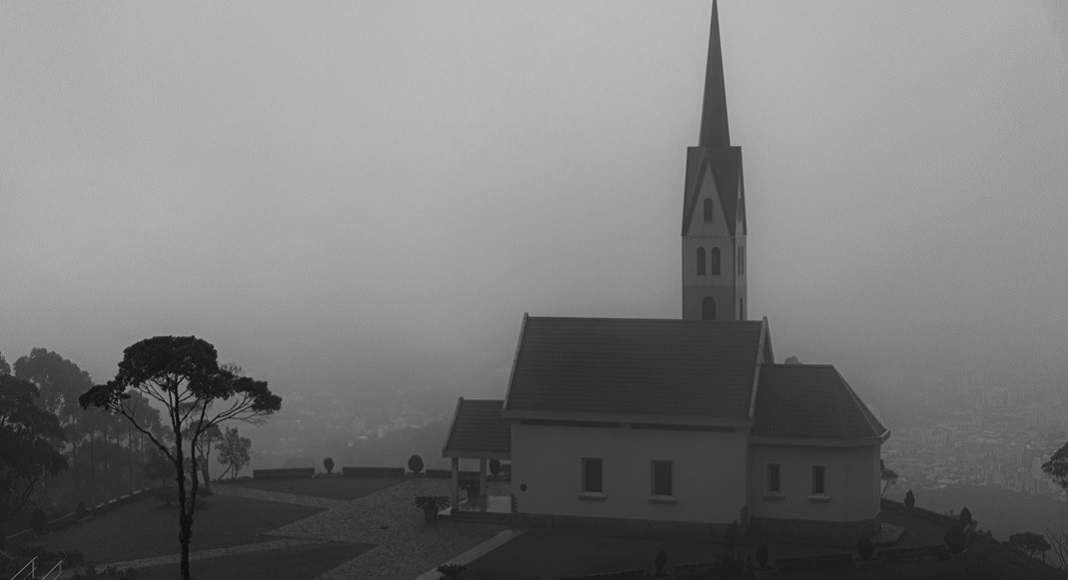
[[369, 195]]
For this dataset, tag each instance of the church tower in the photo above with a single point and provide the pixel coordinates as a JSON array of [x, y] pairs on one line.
[[713, 215]]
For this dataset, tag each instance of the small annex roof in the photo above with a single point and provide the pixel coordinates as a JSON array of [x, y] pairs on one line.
[[479, 431], [686, 369], [811, 402]]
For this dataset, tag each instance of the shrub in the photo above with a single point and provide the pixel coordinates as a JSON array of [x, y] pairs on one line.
[[661, 559], [910, 500], [79, 512], [965, 517], [431, 505], [865, 548], [495, 467], [954, 538], [39, 522], [166, 495], [415, 464], [328, 464], [451, 571], [762, 554]]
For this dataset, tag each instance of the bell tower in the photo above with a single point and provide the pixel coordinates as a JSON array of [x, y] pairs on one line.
[[713, 215]]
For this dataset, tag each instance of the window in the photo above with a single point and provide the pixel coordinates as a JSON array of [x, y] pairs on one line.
[[662, 484], [715, 261], [710, 210], [591, 475], [708, 308], [700, 261], [773, 478], [741, 260], [819, 473]]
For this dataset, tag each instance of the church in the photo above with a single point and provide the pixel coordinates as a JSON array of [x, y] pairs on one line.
[[680, 425]]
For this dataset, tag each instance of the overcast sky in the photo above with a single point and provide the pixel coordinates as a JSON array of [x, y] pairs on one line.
[[363, 195]]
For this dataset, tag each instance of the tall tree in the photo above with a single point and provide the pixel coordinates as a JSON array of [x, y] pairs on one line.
[[182, 374], [28, 439], [5, 369], [234, 451], [1057, 467]]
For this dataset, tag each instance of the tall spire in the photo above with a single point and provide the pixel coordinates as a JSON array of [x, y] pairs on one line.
[[714, 130]]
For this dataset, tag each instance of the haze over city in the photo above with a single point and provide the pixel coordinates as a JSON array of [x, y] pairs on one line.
[[367, 196]]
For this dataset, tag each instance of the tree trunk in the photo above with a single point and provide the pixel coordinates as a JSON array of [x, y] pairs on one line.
[[185, 520]]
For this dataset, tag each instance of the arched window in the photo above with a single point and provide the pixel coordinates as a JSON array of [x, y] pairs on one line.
[[715, 261], [700, 261], [710, 210], [708, 308], [741, 260]]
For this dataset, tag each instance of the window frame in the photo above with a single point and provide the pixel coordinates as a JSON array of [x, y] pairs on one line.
[[584, 482], [654, 488], [774, 478], [819, 476]]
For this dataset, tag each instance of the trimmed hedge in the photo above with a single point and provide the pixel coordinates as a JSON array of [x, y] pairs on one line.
[[373, 471]]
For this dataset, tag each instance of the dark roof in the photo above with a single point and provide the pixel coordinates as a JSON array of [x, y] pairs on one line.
[[478, 429], [625, 366], [725, 163], [714, 127], [801, 401]]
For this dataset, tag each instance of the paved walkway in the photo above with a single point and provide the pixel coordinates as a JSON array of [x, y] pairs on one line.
[[405, 546]]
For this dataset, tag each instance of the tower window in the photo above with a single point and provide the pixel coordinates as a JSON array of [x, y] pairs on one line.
[[715, 261], [700, 261], [708, 308], [710, 210], [741, 260]]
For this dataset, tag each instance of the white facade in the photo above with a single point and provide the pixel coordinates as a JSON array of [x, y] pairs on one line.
[[708, 472], [852, 480]]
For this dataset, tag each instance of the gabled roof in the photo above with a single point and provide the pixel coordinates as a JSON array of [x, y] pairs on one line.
[[810, 401], [634, 367], [479, 430], [725, 163]]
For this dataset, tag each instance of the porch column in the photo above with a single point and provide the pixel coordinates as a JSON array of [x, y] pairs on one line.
[[482, 477], [455, 484]]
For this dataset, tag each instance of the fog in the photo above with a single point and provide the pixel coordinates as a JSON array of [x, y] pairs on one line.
[[365, 196]]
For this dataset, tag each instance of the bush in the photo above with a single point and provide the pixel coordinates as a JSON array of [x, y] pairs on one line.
[[111, 573], [965, 517], [910, 500], [762, 554], [202, 492], [79, 512], [955, 539], [328, 464], [39, 522], [495, 467], [865, 548], [415, 464], [451, 571], [661, 559]]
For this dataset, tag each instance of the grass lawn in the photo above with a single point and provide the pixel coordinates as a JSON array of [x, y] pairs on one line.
[[343, 488], [146, 529], [298, 563], [551, 554]]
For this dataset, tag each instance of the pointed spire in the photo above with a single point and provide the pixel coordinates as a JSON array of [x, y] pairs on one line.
[[714, 130]]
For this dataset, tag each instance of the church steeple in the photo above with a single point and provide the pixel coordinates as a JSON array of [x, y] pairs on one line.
[[714, 129], [713, 214]]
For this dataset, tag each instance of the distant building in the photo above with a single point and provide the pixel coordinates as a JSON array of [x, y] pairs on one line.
[[685, 424]]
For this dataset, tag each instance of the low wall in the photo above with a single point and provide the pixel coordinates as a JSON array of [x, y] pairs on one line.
[[621, 526], [284, 473], [813, 530], [372, 471]]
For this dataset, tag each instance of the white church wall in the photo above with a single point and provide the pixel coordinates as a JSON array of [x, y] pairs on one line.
[[709, 472], [852, 483]]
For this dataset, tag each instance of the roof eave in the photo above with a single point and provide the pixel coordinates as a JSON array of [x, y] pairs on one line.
[[736, 422], [821, 441]]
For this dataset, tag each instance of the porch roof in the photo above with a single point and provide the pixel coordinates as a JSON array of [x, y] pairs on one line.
[[479, 431]]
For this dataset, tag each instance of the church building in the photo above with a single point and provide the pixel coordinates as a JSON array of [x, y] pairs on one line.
[[681, 425]]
